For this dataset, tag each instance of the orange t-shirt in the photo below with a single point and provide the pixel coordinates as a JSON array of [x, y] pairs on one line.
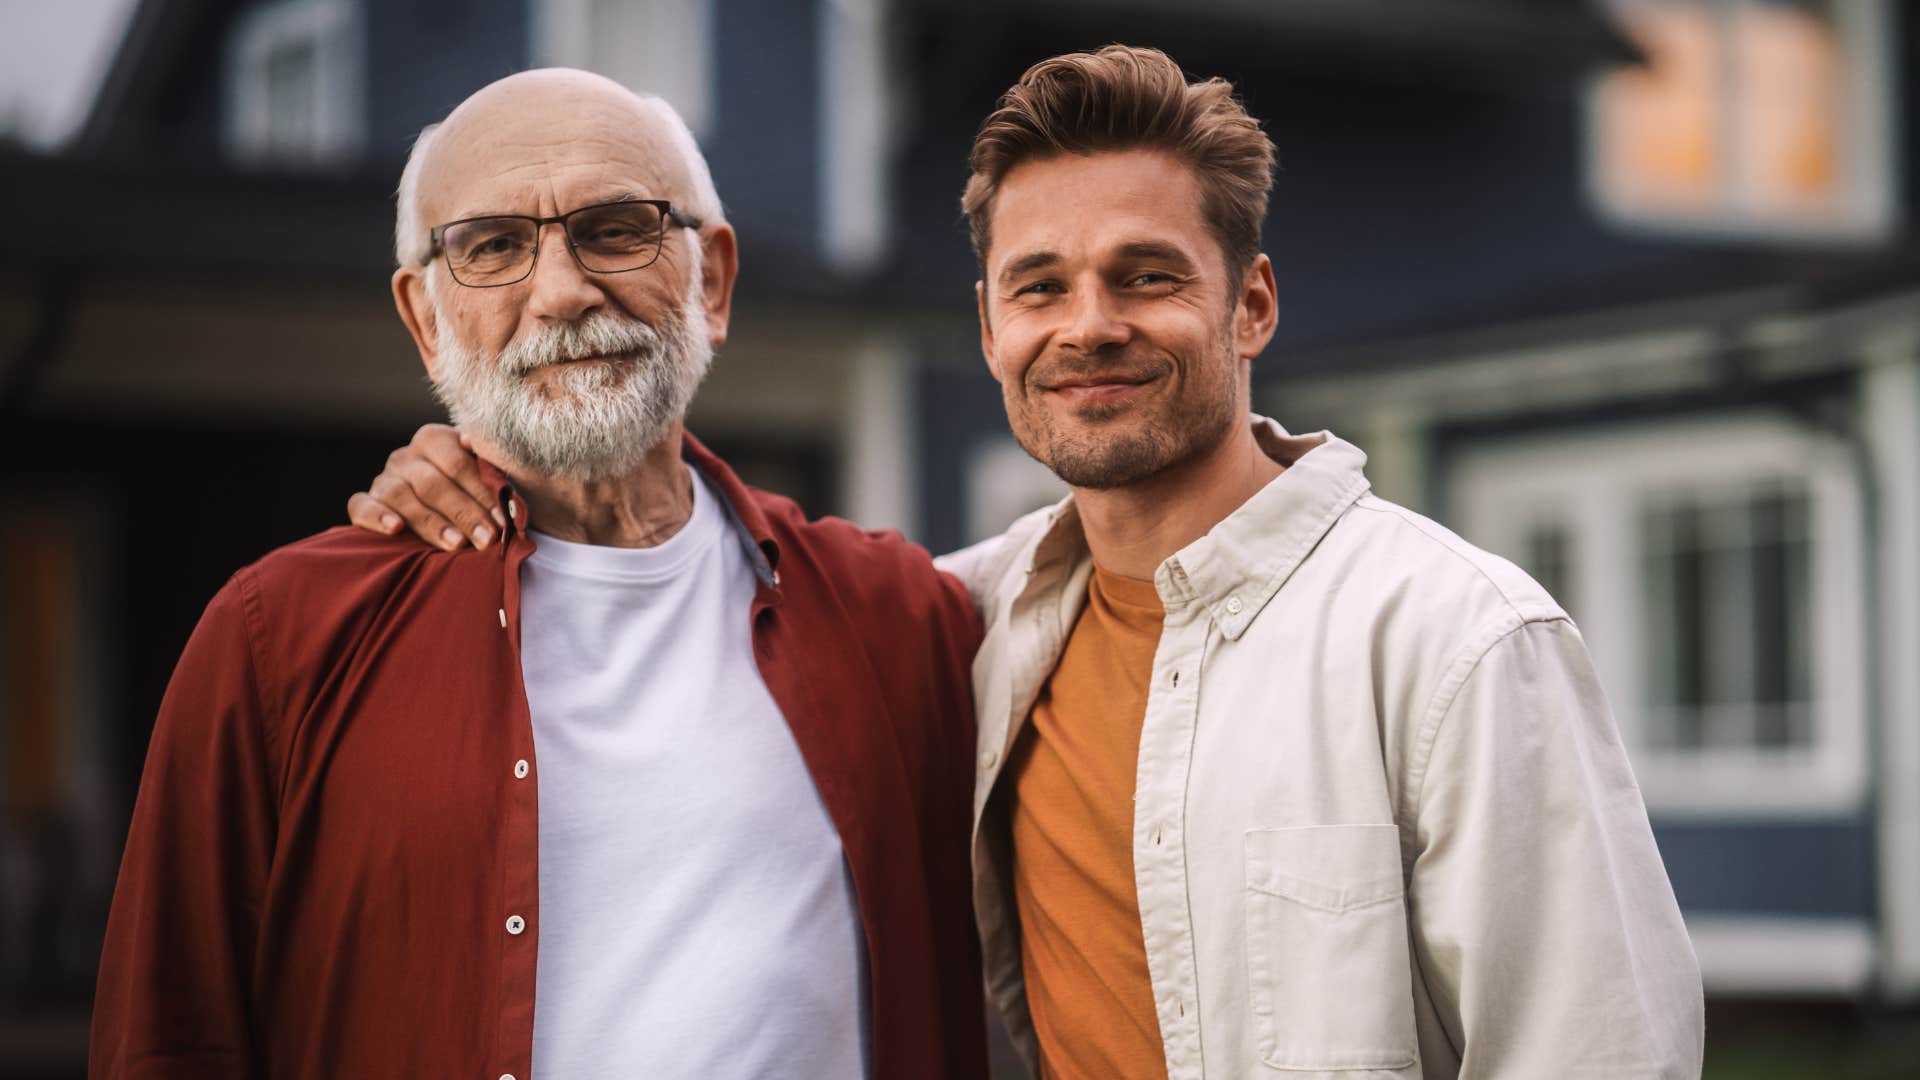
[[1072, 814]]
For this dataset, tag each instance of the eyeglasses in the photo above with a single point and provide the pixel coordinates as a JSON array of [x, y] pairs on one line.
[[606, 238]]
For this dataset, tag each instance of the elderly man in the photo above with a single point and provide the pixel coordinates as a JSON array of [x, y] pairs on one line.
[[667, 782], [1276, 778]]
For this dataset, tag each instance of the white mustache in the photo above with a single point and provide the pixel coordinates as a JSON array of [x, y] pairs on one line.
[[598, 335]]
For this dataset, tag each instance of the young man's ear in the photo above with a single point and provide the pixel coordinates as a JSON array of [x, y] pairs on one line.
[[986, 329], [416, 311], [1257, 313]]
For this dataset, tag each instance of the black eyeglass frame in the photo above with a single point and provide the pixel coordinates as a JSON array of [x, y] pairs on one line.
[[669, 213]]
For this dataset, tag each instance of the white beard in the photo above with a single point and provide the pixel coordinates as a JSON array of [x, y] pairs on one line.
[[588, 421]]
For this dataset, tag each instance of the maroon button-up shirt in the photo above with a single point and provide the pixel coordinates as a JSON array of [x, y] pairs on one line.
[[333, 865]]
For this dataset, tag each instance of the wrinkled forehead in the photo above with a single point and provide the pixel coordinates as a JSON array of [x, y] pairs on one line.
[[547, 152]]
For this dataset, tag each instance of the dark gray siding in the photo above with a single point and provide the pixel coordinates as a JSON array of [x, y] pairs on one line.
[[764, 144], [1822, 869], [425, 56]]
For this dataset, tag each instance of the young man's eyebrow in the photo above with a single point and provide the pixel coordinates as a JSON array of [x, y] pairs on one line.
[[1155, 249], [1028, 263]]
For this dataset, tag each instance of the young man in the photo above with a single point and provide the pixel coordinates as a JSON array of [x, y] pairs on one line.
[[1274, 777]]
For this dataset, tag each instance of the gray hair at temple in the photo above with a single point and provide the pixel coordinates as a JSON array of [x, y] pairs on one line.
[[412, 246]]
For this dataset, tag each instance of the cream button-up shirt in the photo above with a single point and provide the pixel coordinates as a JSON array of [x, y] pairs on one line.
[[1384, 825]]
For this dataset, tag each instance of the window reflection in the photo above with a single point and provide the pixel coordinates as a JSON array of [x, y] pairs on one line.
[[1747, 115]]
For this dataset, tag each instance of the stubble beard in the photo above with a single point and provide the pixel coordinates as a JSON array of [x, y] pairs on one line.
[[1172, 431], [584, 421]]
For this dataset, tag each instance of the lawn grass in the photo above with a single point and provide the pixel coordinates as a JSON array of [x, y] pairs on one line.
[[1810, 1041]]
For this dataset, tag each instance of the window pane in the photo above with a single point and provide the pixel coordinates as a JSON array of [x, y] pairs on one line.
[[1787, 109], [1725, 594], [1674, 583], [1726, 560], [293, 91], [1780, 662], [1659, 136]]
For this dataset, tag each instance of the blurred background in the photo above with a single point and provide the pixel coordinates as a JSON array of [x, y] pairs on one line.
[[1626, 291]]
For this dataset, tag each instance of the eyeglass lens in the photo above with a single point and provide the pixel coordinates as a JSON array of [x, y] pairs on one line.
[[607, 239]]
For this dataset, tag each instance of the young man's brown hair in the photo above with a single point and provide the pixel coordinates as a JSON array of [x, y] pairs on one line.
[[1128, 98]]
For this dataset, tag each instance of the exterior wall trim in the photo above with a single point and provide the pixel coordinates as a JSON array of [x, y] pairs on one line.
[[1891, 409], [1769, 957]]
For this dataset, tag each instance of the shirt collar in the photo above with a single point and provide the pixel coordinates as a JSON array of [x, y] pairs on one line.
[[1238, 566], [505, 498], [743, 511]]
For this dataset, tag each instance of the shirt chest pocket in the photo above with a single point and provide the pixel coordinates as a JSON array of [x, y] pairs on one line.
[[1330, 981]]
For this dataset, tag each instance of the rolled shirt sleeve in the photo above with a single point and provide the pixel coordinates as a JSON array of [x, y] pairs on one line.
[[1545, 928], [173, 998]]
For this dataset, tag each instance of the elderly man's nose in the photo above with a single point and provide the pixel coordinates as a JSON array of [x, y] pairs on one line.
[[561, 289]]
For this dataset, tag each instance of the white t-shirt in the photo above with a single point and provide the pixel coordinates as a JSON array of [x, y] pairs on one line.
[[697, 918]]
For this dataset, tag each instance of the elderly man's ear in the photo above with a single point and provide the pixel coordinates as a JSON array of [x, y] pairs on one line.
[[416, 311], [719, 265]]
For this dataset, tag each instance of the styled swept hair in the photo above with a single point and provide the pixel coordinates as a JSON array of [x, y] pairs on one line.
[[1125, 97]]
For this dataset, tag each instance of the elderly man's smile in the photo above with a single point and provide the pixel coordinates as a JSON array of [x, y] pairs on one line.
[[610, 360]]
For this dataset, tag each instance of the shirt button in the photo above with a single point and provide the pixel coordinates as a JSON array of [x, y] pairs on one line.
[[520, 769], [1234, 605], [506, 1076], [515, 924], [988, 759]]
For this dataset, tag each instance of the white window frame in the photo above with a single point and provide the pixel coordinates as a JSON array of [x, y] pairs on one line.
[[340, 101], [860, 114], [1595, 483], [1868, 211], [680, 66]]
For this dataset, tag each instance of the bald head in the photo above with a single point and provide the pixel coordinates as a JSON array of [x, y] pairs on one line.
[[544, 142]]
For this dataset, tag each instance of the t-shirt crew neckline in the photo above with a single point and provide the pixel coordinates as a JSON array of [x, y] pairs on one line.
[[644, 565], [1129, 592]]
